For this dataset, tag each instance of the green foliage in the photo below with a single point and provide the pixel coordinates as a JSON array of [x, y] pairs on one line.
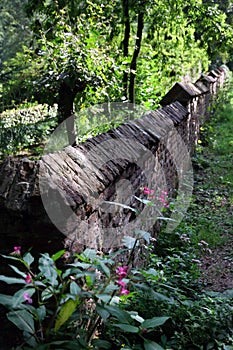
[[25, 127], [14, 30], [81, 46], [73, 300]]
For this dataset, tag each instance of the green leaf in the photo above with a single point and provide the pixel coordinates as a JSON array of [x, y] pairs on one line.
[[21, 273], [104, 297], [122, 205], [129, 242], [154, 322], [66, 311], [143, 234], [74, 288], [48, 269], [121, 315], [105, 269], [101, 344], [102, 312], [144, 201], [151, 345], [11, 280], [135, 316], [28, 258], [41, 312], [57, 255], [47, 293], [82, 265], [6, 300], [127, 327], [30, 340], [165, 218], [18, 296], [23, 320], [10, 257], [89, 253]]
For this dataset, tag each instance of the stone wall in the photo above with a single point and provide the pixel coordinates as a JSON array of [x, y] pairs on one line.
[[66, 197]]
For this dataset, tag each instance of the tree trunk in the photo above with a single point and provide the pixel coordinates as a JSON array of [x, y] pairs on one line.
[[66, 110], [125, 43], [133, 65]]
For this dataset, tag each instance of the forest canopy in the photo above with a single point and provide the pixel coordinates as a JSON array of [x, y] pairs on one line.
[[80, 53]]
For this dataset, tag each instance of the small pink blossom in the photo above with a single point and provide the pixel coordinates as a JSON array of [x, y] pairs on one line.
[[121, 283], [17, 250], [164, 198], [122, 271], [146, 190], [27, 298], [28, 278], [124, 291]]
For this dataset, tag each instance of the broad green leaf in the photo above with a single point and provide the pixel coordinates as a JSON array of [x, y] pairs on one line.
[[154, 322], [21, 273], [127, 327], [23, 320], [68, 344], [11, 280], [57, 255], [47, 293], [159, 296], [28, 258], [6, 300], [30, 340], [74, 288], [104, 297], [18, 296], [110, 288], [41, 312], [66, 311], [129, 242], [143, 234], [102, 312], [101, 344], [135, 316], [82, 265], [121, 315], [151, 345], [48, 269], [105, 268], [89, 253]]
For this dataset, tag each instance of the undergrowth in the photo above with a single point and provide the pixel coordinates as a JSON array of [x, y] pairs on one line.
[[91, 302]]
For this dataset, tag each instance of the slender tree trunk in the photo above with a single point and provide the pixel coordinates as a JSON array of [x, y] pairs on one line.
[[66, 110], [125, 4], [133, 64]]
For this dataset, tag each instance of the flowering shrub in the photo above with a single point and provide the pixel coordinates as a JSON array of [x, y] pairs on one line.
[[68, 307]]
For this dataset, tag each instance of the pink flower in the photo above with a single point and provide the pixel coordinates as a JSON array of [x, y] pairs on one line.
[[28, 278], [27, 298], [164, 198], [146, 190], [17, 250], [121, 271], [124, 291], [121, 283]]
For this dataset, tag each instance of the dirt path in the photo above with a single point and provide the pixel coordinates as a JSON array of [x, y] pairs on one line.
[[214, 199]]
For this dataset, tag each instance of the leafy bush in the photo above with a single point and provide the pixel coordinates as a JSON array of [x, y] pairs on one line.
[[25, 127], [90, 302]]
